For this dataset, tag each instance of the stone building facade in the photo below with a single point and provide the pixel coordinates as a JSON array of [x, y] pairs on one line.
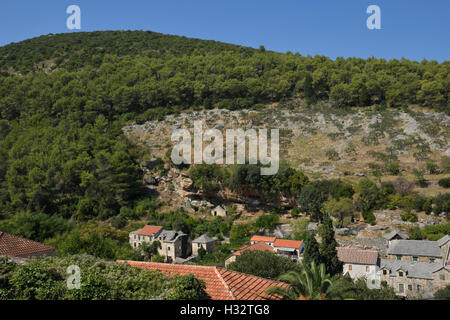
[[417, 268], [171, 241]]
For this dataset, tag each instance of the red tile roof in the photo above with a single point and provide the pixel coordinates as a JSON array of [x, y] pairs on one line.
[[288, 243], [149, 230], [357, 255], [263, 239], [221, 284], [14, 246], [259, 246]]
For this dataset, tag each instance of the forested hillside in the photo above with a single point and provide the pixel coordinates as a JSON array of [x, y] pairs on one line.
[[64, 99]]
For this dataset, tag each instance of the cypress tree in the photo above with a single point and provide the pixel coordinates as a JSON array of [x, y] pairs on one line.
[[311, 252], [328, 252], [308, 89]]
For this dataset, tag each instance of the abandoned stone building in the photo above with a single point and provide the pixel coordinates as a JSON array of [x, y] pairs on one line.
[[171, 241], [417, 268]]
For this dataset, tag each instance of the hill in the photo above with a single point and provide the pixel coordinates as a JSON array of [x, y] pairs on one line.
[[64, 100]]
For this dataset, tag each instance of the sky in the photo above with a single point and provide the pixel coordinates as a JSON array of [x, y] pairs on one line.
[[413, 29]]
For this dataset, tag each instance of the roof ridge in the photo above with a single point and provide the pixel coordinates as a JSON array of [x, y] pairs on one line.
[[2, 233], [224, 283], [167, 264], [250, 275]]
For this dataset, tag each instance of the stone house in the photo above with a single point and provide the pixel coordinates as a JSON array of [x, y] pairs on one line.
[[413, 278], [417, 268], [395, 235], [146, 234], [359, 263], [171, 241], [219, 211], [203, 241], [419, 250], [171, 244]]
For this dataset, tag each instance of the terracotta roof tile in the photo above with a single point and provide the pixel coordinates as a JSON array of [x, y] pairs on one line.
[[149, 230], [356, 255], [221, 284], [288, 243], [263, 239], [14, 246], [259, 246]]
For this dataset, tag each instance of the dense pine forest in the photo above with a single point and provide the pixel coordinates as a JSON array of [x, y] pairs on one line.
[[64, 99]]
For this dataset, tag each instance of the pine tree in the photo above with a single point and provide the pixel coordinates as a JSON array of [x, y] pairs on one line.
[[311, 252], [308, 89], [328, 252]]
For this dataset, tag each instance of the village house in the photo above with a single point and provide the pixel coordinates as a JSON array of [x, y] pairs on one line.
[[359, 263], [171, 241], [146, 234], [267, 240], [417, 268], [255, 246], [395, 235], [20, 249], [287, 248], [219, 211], [221, 284], [292, 249], [419, 250], [203, 241]]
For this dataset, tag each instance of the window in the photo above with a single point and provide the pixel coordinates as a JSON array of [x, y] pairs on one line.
[[198, 245], [400, 274], [349, 267], [168, 248], [134, 237], [442, 276], [399, 257], [385, 272], [367, 268], [419, 287], [134, 244], [401, 288], [432, 260], [410, 287], [414, 258]]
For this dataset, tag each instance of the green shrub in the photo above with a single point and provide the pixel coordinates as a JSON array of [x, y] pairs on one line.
[[445, 164], [409, 216], [432, 167], [369, 217], [45, 279], [332, 154], [442, 203], [393, 168], [444, 182]]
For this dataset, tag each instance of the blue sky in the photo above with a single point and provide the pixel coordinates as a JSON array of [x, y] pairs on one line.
[[414, 29]]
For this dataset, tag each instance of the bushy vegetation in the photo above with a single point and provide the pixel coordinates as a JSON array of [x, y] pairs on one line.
[[46, 279], [263, 264], [344, 288], [434, 232], [64, 161], [444, 182], [443, 293]]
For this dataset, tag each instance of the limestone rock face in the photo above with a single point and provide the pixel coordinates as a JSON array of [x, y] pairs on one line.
[[149, 179], [186, 183]]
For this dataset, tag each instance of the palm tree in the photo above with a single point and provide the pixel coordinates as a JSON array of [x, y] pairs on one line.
[[309, 283]]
